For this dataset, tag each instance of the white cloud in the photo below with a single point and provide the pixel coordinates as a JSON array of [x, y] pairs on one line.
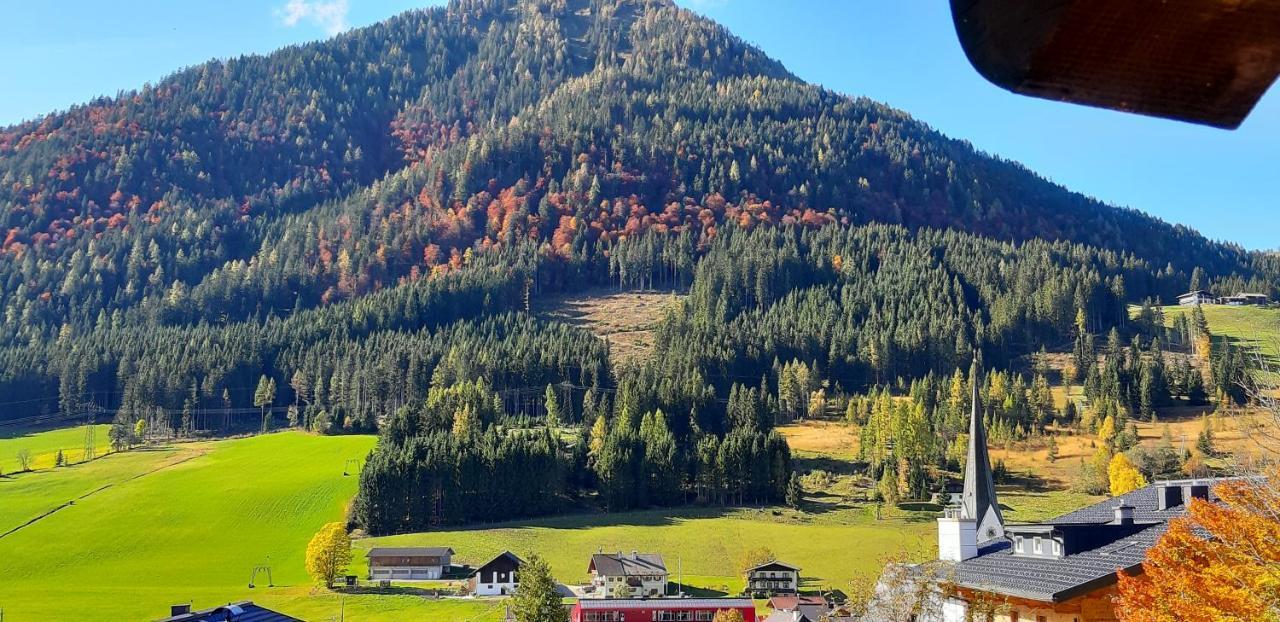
[[331, 15]]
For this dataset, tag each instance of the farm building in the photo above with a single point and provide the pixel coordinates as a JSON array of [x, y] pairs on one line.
[[1198, 297], [625, 576], [244, 611], [1243, 299], [497, 577], [1061, 570], [773, 577], [409, 563], [659, 609]]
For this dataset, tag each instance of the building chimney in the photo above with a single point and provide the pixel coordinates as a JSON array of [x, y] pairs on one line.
[[957, 536], [179, 610], [1169, 496], [1124, 513]]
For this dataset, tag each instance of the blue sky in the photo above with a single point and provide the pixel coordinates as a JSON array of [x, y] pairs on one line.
[[902, 52]]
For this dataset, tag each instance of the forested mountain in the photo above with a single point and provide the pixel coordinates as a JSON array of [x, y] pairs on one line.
[[363, 220]]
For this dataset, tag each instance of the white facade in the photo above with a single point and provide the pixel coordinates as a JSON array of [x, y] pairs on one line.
[[957, 538], [503, 587], [405, 573], [633, 586]]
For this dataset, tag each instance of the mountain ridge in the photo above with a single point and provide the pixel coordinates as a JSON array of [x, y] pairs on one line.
[[543, 132]]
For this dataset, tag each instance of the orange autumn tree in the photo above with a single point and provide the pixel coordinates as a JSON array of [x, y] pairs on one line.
[[1219, 562]]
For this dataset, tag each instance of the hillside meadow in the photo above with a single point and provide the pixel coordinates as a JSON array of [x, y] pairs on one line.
[[44, 445]]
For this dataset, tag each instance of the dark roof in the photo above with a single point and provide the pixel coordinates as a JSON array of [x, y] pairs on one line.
[[1204, 62], [614, 565], [503, 555], [244, 611], [1048, 579], [409, 551], [979, 495], [774, 564]]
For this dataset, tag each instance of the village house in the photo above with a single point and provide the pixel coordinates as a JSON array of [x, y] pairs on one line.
[[497, 577], [1197, 297], [409, 563], [660, 609], [773, 577], [1060, 570], [797, 608], [243, 611], [1244, 298], [626, 576]]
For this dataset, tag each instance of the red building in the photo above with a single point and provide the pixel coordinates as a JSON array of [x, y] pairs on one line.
[[658, 609]]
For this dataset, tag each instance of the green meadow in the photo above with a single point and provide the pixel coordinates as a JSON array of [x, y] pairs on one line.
[[1254, 327], [177, 524], [45, 444]]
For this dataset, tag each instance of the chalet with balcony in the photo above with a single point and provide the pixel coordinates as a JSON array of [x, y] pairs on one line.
[[637, 575], [773, 577]]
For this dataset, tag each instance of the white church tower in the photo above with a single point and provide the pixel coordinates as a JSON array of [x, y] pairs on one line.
[[978, 518]]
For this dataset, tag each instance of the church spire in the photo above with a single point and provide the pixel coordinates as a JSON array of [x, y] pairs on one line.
[[979, 502]]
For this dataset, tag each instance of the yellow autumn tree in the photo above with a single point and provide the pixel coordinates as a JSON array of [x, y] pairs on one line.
[[1107, 430], [1124, 477], [1221, 561], [329, 553], [727, 615]]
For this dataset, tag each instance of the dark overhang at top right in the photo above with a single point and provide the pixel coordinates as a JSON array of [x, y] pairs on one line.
[[1202, 61]]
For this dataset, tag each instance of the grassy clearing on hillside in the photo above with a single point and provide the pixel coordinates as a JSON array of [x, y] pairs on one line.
[[625, 319], [44, 445], [1253, 327]]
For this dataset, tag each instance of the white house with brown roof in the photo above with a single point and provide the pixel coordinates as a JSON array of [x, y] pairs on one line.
[[637, 575], [773, 577]]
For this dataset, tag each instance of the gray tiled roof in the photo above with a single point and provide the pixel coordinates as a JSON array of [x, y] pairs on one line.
[[1047, 579], [611, 565]]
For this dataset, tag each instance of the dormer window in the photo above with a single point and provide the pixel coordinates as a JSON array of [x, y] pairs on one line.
[[1018, 545], [1038, 548], [1057, 548]]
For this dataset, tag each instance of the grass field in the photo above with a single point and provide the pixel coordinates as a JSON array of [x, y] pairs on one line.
[[706, 544], [1254, 327], [44, 445], [184, 523]]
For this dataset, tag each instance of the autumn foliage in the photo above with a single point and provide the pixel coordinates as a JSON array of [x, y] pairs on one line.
[[1219, 562]]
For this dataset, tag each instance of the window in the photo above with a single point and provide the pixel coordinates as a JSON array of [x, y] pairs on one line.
[[1057, 549], [1017, 544], [1037, 546]]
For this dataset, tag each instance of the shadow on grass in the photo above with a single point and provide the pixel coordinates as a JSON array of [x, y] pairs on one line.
[[695, 591], [807, 463]]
